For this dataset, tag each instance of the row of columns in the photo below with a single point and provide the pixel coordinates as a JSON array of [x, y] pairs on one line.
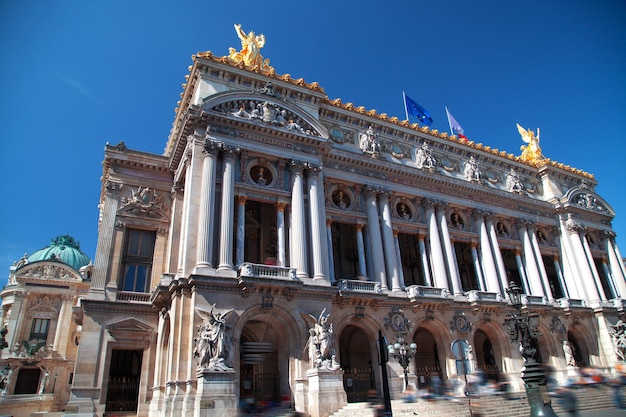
[[440, 265]]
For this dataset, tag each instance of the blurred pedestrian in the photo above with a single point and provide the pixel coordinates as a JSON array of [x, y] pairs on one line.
[[568, 400]]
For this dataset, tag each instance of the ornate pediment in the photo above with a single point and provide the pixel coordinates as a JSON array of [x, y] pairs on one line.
[[49, 270], [131, 331]]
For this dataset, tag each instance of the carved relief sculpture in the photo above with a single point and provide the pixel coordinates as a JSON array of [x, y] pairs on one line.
[[213, 348], [424, 158]]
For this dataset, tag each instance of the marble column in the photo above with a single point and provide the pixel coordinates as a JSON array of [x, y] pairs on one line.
[[106, 228], [592, 268], [61, 334], [437, 257], [398, 259], [207, 201], [489, 266], [453, 269], [539, 259], [241, 230], [580, 259], [536, 288], [173, 238], [329, 239], [478, 268], [424, 257], [316, 231], [522, 271], [298, 223], [609, 278], [378, 263], [228, 202], [280, 230], [360, 245], [559, 274], [388, 243], [615, 267], [495, 248]]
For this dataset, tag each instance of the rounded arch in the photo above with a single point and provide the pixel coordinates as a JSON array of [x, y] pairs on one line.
[[269, 344]]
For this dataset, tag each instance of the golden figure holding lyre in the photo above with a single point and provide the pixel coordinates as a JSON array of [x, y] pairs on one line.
[[532, 151], [250, 53]]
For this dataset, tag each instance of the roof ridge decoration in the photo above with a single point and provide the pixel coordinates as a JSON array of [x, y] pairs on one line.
[[249, 58]]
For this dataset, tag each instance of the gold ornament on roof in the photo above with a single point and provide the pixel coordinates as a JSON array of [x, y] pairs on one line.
[[250, 54], [532, 151]]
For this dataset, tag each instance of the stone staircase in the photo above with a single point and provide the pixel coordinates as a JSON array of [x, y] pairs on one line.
[[594, 398]]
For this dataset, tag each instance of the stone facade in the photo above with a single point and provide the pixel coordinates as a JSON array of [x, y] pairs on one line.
[[273, 204]]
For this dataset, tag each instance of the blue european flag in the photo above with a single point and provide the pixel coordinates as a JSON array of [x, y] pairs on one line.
[[416, 110]]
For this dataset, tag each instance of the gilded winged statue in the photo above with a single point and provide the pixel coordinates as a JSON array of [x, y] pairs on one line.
[[532, 151], [250, 53]]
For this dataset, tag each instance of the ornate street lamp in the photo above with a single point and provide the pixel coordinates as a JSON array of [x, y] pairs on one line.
[[403, 353], [523, 326]]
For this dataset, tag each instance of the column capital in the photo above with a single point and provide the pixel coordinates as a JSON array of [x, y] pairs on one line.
[[229, 151], [608, 234], [370, 191], [211, 147], [113, 187], [574, 227], [280, 206], [359, 227], [524, 223], [241, 199], [296, 166], [311, 168]]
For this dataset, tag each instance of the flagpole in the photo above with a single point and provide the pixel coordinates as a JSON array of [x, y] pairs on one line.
[[448, 116], [405, 109]]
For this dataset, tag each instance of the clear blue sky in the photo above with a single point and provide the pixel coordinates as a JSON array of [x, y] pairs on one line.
[[78, 74]]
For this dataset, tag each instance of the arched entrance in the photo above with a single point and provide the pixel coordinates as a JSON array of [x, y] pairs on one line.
[[264, 361], [355, 355], [484, 355], [427, 361]]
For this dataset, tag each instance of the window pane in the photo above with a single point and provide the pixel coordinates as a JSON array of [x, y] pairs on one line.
[[129, 277], [146, 247], [133, 242], [140, 283]]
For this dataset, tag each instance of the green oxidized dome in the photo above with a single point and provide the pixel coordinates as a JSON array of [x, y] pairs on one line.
[[65, 249]]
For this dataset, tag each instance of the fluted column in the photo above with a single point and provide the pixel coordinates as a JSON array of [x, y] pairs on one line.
[[106, 233], [489, 266], [280, 230], [522, 271], [207, 197], [173, 242], [390, 250], [298, 231], [592, 268], [495, 248], [398, 259], [539, 259], [424, 257], [437, 257], [580, 259], [360, 246], [615, 266], [478, 268], [378, 264], [453, 269], [609, 278], [316, 231], [536, 288], [228, 202], [241, 230], [559, 274]]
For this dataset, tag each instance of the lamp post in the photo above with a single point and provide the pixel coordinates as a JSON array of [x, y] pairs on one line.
[[523, 326], [403, 353]]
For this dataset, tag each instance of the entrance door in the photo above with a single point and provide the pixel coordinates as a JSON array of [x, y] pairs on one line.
[[27, 381], [124, 378], [356, 361], [261, 365]]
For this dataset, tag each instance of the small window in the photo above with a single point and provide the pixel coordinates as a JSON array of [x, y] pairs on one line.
[[137, 260], [39, 329]]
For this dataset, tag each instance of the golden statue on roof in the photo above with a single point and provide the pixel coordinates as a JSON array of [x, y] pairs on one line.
[[250, 53], [532, 151]]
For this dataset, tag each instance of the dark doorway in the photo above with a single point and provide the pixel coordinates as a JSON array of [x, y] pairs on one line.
[[124, 378], [356, 361], [27, 381]]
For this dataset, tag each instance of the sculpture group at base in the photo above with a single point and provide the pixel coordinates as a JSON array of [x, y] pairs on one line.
[[213, 348], [321, 343]]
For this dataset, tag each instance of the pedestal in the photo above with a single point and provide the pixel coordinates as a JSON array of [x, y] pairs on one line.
[[536, 390], [326, 393], [215, 395]]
